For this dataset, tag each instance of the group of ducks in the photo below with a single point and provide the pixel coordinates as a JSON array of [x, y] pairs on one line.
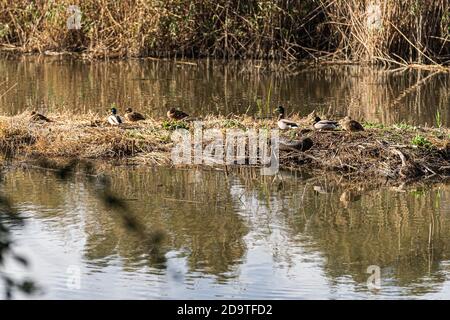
[[115, 119], [347, 123], [133, 116]]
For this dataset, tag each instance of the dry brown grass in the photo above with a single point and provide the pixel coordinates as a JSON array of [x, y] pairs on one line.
[[407, 32], [86, 137], [411, 31], [377, 152]]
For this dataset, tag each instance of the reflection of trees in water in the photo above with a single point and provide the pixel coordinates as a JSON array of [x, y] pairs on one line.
[[406, 233], [149, 86], [206, 215], [192, 208]]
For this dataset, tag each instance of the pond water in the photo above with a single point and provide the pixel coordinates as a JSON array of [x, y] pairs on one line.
[[204, 87], [236, 235]]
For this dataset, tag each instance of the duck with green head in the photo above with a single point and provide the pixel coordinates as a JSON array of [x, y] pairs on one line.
[[114, 119], [283, 123]]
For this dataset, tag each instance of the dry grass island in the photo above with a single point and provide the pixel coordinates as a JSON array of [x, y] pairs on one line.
[[395, 153]]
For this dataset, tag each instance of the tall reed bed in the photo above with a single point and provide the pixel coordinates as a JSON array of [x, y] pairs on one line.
[[406, 31], [378, 30]]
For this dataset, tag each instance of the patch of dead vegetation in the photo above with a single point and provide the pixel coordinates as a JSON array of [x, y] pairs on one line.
[[385, 152]]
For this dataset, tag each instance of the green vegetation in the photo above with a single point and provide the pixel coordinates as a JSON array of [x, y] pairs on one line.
[[373, 125], [438, 119], [174, 125], [421, 141], [407, 30], [404, 126], [232, 123]]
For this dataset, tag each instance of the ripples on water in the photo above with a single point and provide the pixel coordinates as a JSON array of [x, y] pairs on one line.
[[235, 236]]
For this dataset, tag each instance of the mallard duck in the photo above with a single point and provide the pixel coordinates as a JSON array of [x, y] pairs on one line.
[[114, 119], [133, 116], [175, 114], [37, 117], [320, 124], [283, 123], [348, 124], [297, 145]]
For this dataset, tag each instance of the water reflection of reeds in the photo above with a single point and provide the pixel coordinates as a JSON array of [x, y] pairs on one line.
[[213, 219], [211, 87], [406, 233]]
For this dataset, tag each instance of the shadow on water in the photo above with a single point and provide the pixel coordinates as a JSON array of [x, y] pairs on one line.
[[376, 95], [250, 235]]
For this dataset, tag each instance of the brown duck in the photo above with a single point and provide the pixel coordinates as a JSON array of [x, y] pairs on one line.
[[296, 145], [175, 114], [37, 117], [133, 116], [348, 124]]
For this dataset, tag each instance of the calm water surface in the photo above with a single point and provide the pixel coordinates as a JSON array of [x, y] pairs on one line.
[[201, 87], [235, 236]]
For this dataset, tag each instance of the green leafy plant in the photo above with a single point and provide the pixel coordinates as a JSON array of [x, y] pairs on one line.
[[421, 141], [404, 126], [373, 125]]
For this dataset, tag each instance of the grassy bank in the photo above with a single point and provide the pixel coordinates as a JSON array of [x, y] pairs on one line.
[[401, 152], [330, 30]]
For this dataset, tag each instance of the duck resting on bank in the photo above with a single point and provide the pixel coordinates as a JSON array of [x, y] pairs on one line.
[[283, 123], [296, 145], [37, 117], [114, 119], [320, 124], [133, 116], [348, 124], [175, 114]]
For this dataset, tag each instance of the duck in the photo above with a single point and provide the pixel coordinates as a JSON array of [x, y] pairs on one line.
[[114, 119], [348, 124], [283, 123], [320, 124], [37, 117], [133, 116], [175, 114], [297, 145]]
